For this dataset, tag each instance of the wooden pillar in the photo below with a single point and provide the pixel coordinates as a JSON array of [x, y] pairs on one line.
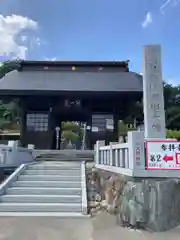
[[88, 121], [50, 128], [89, 143], [60, 133], [116, 134], [23, 127]]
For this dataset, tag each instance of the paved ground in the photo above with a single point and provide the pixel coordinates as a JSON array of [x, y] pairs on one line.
[[102, 227]]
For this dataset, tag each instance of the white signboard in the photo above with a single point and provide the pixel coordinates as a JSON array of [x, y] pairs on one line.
[[88, 127], [154, 114], [110, 124], [163, 155], [95, 129]]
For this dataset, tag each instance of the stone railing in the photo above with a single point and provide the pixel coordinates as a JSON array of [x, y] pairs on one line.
[[116, 154], [129, 158], [122, 158], [13, 155]]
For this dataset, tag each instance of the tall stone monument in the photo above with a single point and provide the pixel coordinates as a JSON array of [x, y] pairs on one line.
[[153, 96]]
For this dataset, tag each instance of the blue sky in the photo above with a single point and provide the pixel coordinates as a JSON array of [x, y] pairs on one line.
[[92, 30]]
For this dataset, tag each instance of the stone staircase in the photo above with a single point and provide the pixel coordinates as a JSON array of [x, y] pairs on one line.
[[47, 188], [65, 155]]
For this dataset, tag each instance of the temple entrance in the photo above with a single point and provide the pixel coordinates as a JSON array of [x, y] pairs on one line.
[[88, 92], [69, 135], [68, 128]]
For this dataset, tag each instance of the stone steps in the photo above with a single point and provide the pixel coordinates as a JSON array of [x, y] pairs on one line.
[[49, 178], [41, 198], [40, 207], [43, 191], [61, 172], [52, 188], [54, 167], [64, 159], [47, 184]]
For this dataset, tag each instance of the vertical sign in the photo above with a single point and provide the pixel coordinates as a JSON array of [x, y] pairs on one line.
[[154, 114], [110, 124], [136, 150], [138, 154]]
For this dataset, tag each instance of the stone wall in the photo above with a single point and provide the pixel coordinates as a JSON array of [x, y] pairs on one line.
[[147, 203], [165, 205], [104, 190]]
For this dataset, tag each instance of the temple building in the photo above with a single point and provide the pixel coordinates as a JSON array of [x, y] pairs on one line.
[[50, 92]]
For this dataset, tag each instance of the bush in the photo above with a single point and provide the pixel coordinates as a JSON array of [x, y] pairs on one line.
[[70, 126], [70, 136], [175, 134]]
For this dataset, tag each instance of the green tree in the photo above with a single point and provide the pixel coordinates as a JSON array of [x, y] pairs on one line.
[[8, 66], [70, 126], [70, 136], [71, 132], [123, 128], [9, 115], [134, 112], [172, 106]]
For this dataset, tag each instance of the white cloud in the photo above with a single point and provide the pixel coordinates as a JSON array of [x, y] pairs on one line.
[[148, 20], [23, 38], [11, 28], [34, 42], [37, 41], [169, 3]]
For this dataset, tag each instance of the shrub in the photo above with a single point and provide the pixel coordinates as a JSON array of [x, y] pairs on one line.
[[175, 134]]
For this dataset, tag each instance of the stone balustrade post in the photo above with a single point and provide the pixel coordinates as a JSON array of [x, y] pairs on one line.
[[11, 153], [31, 146], [112, 154], [136, 150], [97, 155]]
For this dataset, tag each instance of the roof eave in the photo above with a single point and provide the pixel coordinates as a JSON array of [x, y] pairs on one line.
[[25, 63]]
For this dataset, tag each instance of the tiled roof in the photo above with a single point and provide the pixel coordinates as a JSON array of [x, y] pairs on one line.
[[72, 81]]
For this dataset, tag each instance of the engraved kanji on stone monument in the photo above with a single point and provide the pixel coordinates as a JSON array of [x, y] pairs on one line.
[[154, 114]]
